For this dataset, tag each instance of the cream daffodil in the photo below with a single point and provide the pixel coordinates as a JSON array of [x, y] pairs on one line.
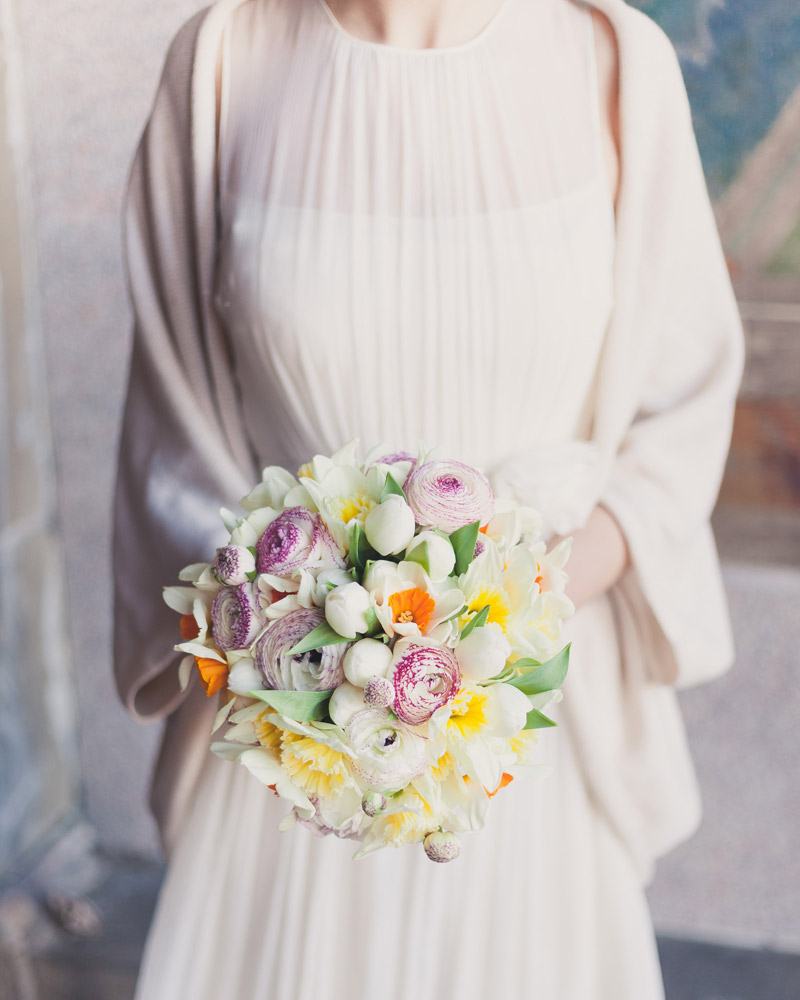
[[408, 603]]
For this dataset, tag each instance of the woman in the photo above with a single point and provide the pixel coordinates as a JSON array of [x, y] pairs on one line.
[[370, 219]]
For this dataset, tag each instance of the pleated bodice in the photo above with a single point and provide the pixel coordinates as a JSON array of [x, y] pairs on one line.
[[416, 243]]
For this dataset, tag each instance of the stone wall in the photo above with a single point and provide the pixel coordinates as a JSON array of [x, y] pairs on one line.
[[91, 67], [38, 777]]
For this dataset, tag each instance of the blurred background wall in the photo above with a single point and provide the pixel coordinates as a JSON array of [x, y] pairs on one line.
[[76, 81]]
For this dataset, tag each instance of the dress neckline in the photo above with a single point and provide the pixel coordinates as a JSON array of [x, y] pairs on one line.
[[437, 50]]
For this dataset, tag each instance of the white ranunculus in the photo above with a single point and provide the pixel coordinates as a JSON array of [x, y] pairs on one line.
[[366, 659], [346, 609], [345, 701], [483, 653], [441, 557], [388, 753], [390, 526]]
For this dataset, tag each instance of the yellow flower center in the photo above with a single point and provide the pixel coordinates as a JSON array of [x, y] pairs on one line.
[[413, 605], [269, 735], [306, 471], [443, 766], [499, 606], [354, 507], [315, 767], [409, 827], [468, 715]]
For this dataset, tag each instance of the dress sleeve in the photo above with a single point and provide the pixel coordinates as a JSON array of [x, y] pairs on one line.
[[677, 301], [183, 452]]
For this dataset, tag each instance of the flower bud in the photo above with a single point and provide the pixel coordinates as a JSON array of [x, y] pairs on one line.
[[365, 659], [379, 692], [346, 608], [390, 526], [441, 847], [441, 557], [345, 702], [233, 564], [373, 803], [483, 653]]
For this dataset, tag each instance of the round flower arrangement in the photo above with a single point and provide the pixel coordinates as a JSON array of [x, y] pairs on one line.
[[384, 638]]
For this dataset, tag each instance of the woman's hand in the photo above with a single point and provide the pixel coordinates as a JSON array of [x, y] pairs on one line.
[[599, 557]]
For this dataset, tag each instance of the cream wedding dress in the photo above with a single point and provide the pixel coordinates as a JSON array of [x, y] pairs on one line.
[[416, 244]]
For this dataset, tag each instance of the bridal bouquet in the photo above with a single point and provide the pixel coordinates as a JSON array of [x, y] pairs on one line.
[[386, 638]]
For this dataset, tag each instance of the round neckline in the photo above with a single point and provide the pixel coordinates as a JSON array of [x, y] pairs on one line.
[[436, 50]]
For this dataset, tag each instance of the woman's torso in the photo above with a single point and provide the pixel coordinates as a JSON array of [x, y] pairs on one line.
[[415, 244]]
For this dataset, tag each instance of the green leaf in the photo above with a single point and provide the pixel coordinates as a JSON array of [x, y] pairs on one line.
[[543, 677], [373, 625], [420, 554], [322, 635], [536, 720], [302, 706], [391, 486], [457, 614], [477, 621], [361, 552], [463, 541]]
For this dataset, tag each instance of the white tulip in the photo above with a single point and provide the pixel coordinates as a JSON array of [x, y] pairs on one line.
[[366, 659], [345, 702], [346, 608], [483, 653], [390, 526], [381, 579], [441, 557]]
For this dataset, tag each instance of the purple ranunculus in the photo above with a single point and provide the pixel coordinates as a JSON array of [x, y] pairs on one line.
[[232, 565], [297, 539], [425, 677], [448, 495], [236, 617], [316, 670]]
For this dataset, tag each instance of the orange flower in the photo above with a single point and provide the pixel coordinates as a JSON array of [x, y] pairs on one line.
[[505, 780], [213, 674], [189, 628], [412, 605]]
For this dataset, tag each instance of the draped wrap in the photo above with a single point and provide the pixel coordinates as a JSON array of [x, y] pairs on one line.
[[665, 392]]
